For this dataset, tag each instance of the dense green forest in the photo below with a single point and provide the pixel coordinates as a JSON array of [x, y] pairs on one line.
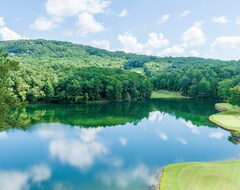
[[77, 85], [196, 77], [44, 52], [8, 100], [57, 71], [63, 72]]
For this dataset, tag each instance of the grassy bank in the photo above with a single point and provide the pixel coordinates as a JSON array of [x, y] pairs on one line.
[[166, 94], [138, 70], [199, 176], [229, 118]]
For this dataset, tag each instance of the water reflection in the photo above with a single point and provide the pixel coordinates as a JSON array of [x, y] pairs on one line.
[[217, 135], [108, 146], [194, 129], [127, 178], [81, 152], [19, 180], [95, 115], [234, 138]]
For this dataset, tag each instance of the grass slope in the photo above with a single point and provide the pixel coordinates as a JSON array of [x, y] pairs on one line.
[[201, 176], [138, 70], [229, 118], [166, 94]]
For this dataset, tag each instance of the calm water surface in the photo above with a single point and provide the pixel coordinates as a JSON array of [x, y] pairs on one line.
[[108, 146]]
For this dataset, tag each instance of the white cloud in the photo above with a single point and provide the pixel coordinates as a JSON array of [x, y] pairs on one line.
[[184, 14], [13, 180], [63, 8], [3, 135], [194, 36], [155, 116], [226, 42], [130, 43], [237, 21], [164, 18], [19, 180], [123, 13], [156, 41], [221, 20], [162, 136], [43, 24], [216, 135], [76, 153], [6, 33], [123, 141], [40, 173], [53, 130], [194, 53], [80, 153], [86, 25], [182, 141], [2, 23], [88, 135], [57, 10], [116, 163], [103, 44], [194, 129], [175, 50], [122, 179]]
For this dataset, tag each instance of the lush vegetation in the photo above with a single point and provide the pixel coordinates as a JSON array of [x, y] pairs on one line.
[[52, 71], [77, 85], [235, 95], [198, 176], [62, 72], [8, 100], [194, 77], [44, 52], [229, 118]]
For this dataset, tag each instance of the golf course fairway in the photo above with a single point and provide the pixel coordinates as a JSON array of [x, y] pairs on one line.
[[228, 119], [201, 176], [161, 94]]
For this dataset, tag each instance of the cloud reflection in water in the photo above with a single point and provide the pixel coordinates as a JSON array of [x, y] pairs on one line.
[[22, 180], [81, 150]]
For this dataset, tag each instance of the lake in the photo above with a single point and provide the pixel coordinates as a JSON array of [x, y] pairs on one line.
[[108, 146]]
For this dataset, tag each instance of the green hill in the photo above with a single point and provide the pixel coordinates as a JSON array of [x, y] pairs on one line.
[[46, 51], [195, 77]]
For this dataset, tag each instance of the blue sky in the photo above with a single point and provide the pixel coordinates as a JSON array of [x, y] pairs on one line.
[[154, 27]]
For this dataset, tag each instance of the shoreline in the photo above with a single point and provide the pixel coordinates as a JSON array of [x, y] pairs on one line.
[[228, 118]]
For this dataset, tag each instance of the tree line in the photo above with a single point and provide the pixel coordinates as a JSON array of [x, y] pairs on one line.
[[73, 84], [199, 78], [48, 66]]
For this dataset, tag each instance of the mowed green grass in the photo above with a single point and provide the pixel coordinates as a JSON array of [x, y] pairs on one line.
[[229, 119], [228, 107], [138, 70], [166, 94], [201, 176]]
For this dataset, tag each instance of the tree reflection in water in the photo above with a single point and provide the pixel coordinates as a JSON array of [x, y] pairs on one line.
[[234, 138]]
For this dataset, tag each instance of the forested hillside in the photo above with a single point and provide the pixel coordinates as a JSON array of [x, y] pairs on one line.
[[196, 77], [54, 71], [57, 52]]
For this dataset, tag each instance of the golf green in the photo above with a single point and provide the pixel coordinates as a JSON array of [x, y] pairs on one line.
[[229, 118], [201, 176]]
